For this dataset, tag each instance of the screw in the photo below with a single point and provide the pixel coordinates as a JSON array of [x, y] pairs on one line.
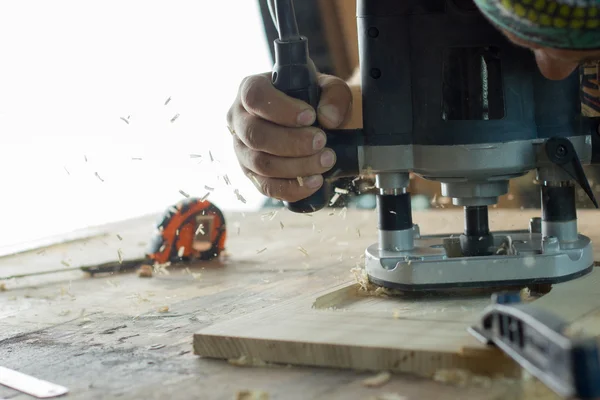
[[561, 151], [373, 32], [375, 73]]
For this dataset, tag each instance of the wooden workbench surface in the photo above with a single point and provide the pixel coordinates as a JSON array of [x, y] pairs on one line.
[[104, 337]]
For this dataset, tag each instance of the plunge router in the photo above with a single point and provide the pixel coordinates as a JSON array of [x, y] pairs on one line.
[[446, 96]]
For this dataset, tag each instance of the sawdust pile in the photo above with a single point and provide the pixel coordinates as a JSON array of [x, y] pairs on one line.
[[377, 380], [251, 395], [368, 288], [244, 361], [527, 387]]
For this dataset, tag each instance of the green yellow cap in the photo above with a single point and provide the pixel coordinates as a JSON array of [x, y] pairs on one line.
[[564, 24]]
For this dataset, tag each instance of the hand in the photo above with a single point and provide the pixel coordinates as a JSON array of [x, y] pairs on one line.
[[278, 149]]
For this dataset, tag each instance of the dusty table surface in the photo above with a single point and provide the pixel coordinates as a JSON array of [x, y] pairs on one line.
[[106, 337]]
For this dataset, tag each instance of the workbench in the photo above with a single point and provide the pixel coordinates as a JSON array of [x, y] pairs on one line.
[[110, 337]]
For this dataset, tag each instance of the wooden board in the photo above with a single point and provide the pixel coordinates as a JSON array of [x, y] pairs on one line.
[[338, 327], [97, 336]]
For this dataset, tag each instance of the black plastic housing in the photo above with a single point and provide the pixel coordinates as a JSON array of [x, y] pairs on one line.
[[408, 47]]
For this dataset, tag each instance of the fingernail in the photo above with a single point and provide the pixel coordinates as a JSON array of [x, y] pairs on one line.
[[319, 141], [328, 158], [331, 113], [314, 181], [306, 117]]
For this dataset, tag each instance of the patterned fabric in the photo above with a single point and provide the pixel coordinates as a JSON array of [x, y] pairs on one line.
[[590, 89], [563, 24]]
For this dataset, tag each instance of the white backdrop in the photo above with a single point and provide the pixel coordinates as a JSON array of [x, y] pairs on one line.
[[69, 70]]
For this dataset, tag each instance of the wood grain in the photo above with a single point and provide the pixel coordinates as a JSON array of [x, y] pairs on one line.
[[339, 327]]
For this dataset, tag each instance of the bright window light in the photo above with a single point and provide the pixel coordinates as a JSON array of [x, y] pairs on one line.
[[85, 135]]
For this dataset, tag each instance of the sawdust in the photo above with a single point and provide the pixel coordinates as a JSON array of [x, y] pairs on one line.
[[244, 361], [527, 387], [2, 287], [145, 271], [368, 288], [164, 309], [507, 248], [389, 396], [461, 378], [377, 380], [251, 395]]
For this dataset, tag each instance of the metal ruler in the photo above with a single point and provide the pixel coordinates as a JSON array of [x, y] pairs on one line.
[[30, 385]]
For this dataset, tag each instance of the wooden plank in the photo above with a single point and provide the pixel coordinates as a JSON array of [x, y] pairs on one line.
[[338, 327], [373, 338]]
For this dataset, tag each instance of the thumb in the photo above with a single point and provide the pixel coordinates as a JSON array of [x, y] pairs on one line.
[[335, 103]]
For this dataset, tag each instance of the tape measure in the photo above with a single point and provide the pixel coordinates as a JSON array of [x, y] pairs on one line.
[[193, 229]]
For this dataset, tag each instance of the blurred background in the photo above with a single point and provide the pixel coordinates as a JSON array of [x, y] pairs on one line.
[[110, 115]]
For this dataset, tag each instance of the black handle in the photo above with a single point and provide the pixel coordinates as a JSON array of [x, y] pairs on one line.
[[295, 74]]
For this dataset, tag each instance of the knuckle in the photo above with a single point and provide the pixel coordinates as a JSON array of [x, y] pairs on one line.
[[255, 137], [252, 90], [261, 163], [230, 114]]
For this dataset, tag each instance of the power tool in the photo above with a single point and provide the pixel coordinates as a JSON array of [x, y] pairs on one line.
[[448, 97]]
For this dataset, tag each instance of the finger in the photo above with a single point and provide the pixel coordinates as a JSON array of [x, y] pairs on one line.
[[261, 135], [271, 166], [285, 189], [259, 97], [336, 102]]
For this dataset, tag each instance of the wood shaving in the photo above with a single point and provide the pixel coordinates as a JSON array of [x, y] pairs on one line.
[[174, 118], [300, 181], [67, 171], [124, 120], [389, 396], [303, 251], [245, 361], [184, 194], [181, 251], [369, 289], [358, 232], [210, 189], [136, 158], [205, 196], [98, 176], [343, 212], [168, 100], [226, 179], [195, 156], [120, 255], [281, 224], [211, 156], [200, 229], [119, 237], [239, 196], [251, 395], [164, 309], [461, 378], [2, 287], [334, 199], [341, 191], [393, 212], [261, 251], [196, 276], [66, 264], [145, 271], [64, 313], [270, 215], [377, 380]]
